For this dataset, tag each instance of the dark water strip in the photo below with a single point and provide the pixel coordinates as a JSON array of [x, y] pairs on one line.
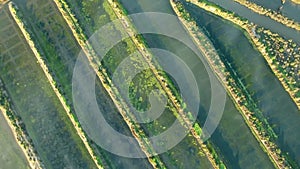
[[260, 20], [233, 139]]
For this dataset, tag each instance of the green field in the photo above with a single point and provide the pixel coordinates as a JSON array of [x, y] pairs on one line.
[[52, 134], [46, 122], [11, 156], [185, 154], [58, 63], [60, 54], [232, 140]]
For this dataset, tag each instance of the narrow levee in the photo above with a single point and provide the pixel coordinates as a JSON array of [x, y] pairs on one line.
[[114, 60], [287, 8], [260, 20], [59, 50], [227, 138], [49, 128], [272, 100]]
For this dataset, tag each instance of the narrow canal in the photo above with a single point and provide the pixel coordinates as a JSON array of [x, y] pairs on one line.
[[272, 99], [232, 139]]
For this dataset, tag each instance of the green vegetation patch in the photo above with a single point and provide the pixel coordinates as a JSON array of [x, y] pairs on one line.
[[46, 122]]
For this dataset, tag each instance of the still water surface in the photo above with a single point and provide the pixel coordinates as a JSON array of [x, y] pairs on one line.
[[232, 138]]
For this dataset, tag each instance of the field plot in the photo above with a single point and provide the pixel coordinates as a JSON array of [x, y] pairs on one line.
[[112, 117], [11, 156], [233, 140], [48, 126], [269, 95], [183, 155], [59, 49]]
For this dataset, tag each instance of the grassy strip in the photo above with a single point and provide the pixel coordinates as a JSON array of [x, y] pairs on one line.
[[113, 91], [243, 100], [101, 67], [19, 130], [18, 19], [271, 14], [59, 70], [47, 124], [145, 82], [166, 84], [189, 24], [283, 56], [287, 82]]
